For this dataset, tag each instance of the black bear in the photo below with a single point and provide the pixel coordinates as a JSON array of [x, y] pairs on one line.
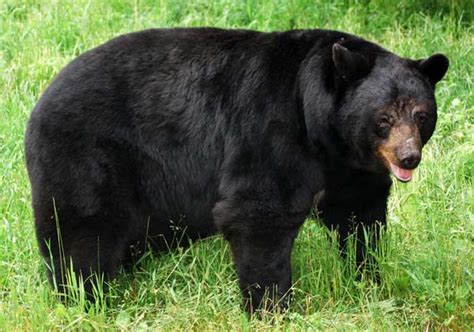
[[167, 133]]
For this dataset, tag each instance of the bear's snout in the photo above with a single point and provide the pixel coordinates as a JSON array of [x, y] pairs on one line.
[[407, 142], [410, 158], [401, 151]]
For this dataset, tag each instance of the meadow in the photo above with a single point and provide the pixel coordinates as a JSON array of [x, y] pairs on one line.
[[427, 259]]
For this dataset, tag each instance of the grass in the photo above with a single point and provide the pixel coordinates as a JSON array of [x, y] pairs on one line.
[[428, 258]]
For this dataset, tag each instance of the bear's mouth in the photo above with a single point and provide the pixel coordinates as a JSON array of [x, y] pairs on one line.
[[391, 163], [402, 174]]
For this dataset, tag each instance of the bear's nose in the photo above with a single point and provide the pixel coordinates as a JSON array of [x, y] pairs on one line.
[[410, 160]]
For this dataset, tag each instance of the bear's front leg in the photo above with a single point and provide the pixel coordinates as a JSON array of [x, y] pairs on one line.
[[263, 266], [357, 207], [261, 243]]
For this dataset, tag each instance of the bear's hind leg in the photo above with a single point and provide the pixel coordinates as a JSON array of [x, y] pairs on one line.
[[88, 251]]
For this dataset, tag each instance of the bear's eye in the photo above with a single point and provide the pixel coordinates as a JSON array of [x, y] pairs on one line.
[[420, 118], [384, 122]]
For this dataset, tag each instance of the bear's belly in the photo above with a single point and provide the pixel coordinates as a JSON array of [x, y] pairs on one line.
[[177, 202]]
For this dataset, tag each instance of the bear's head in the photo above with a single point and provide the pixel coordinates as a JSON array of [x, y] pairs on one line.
[[385, 109]]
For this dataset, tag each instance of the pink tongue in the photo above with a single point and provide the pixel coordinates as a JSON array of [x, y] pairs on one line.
[[401, 173]]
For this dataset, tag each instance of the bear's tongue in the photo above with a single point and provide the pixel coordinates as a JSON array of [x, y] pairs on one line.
[[401, 173]]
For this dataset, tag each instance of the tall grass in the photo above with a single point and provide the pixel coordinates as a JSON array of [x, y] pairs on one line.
[[427, 261]]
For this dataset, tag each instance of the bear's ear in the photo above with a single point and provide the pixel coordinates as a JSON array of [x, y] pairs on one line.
[[350, 65], [435, 67]]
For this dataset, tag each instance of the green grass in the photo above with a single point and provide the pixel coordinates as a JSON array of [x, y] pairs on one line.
[[428, 258]]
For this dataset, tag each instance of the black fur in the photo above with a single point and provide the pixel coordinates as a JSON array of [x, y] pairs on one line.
[[162, 133]]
